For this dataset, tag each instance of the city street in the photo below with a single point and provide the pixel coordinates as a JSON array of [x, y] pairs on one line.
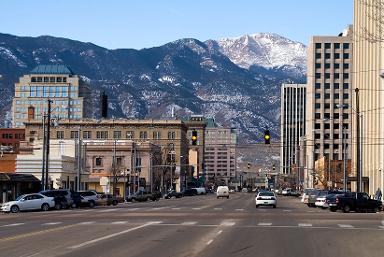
[[193, 226]]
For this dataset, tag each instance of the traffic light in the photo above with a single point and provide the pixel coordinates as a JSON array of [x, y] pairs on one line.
[[194, 137], [249, 165], [267, 137], [273, 167]]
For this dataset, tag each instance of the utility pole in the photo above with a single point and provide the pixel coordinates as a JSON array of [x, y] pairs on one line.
[[358, 171], [345, 184], [114, 169], [43, 163], [47, 144], [78, 180]]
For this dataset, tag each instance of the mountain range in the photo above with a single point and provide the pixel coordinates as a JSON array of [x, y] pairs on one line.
[[235, 80]]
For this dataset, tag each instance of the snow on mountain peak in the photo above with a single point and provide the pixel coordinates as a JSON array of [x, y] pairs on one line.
[[264, 49]]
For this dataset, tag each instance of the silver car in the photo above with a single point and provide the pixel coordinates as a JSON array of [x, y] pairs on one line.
[[29, 202]]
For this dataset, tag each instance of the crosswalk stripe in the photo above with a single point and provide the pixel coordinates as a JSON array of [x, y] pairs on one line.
[[345, 226], [239, 209], [196, 208], [218, 209], [108, 210], [287, 210], [119, 222], [264, 224], [304, 225], [86, 223], [227, 223], [51, 223], [13, 225], [189, 223]]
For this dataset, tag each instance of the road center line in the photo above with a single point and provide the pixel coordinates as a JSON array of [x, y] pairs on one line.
[[111, 235], [13, 225], [305, 225], [264, 224], [209, 242], [345, 225], [51, 223], [219, 232]]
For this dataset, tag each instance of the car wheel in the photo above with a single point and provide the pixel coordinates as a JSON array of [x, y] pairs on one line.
[[274, 206], [333, 209], [257, 206], [114, 202], [91, 204], [375, 209], [15, 209], [217, 197], [45, 207], [346, 208], [58, 206], [228, 197]]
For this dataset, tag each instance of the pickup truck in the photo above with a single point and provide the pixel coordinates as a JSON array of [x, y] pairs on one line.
[[143, 196], [357, 202]]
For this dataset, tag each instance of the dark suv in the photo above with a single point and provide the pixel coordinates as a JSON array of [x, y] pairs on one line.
[[63, 197]]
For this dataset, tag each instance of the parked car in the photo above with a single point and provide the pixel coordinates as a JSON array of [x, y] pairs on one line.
[[266, 198], [81, 201], [312, 198], [63, 197], [200, 190], [322, 197], [286, 191], [29, 202], [189, 192], [109, 199], [143, 196], [357, 202], [173, 194], [91, 195], [222, 191], [331, 200], [304, 198]]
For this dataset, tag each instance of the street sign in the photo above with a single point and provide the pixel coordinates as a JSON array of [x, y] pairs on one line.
[[329, 183]]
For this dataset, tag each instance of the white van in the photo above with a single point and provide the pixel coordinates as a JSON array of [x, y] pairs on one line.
[[222, 191]]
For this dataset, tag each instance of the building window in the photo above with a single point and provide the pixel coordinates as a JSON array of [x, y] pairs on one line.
[[119, 161], [327, 45], [60, 134], [327, 106], [336, 86], [171, 135], [318, 75], [318, 65], [327, 75], [346, 45], [346, 76], [117, 134], [327, 126], [335, 136], [52, 79], [336, 116], [317, 136], [337, 56], [336, 65], [327, 86], [129, 135], [337, 45], [327, 96], [335, 96], [327, 65], [74, 134], [346, 65], [318, 45], [156, 135], [317, 105], [327, 56], [317, 116], [345, 116], [317, 125], [317, 85], [317, 96], [336, 126], [101, 134], [58, 79], [143, 135], [87, 134], [318, 55], [345, 96], [327, 115], [98, 161]]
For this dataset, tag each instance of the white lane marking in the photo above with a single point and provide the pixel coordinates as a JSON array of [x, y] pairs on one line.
[[196, 208], [108, 210], [189, 223], [218, 209], [158, 208], [310, 211], [227, 223], [111, 235], [13, 225], [264, 224], [176, 208], [382, 227], [209, 242], [51, 223], [345, 226], [239, 209], [304, 225], [287, 210], [119, 222], [86, 223], [133, 209], [219, 232]]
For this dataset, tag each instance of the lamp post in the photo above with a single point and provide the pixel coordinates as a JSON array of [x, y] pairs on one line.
[[358, 164]]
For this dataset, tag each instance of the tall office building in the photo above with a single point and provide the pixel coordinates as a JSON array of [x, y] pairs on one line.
[[54, 82], [368, 71], [329, 93], [292, 124], [220, 153]]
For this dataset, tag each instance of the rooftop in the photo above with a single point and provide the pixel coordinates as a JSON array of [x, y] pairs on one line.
[[52, 69]]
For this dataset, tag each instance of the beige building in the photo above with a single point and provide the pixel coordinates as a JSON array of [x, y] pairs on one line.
[[169, 135], [54, 82], [368, 71], [329, 94]]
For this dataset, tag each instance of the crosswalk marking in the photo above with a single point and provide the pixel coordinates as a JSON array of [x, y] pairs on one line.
[[264, 224], [287, 210], [158, 208], [227, 223], [189, 223], [13, 225], [217, 209], [239, 209], [196, 208], [305, 225], [86, 223], [52, 223], [119, 222], [345, 226], [108, 210]]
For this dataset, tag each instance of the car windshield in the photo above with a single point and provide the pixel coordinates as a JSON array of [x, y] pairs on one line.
[[266, 194], [20, 197]]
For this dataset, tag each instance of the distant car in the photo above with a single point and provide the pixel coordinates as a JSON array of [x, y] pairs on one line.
[[222, 191], [200, 190], [321, 200], [304, 198], [189, 192], [29, 202], [63, 197], [91, 195], [266, 198], [173, 194], [109, 199], [286, 191], [81, 201]]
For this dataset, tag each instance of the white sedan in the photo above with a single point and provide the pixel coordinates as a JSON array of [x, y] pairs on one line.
[[266, 198], [29, 202]]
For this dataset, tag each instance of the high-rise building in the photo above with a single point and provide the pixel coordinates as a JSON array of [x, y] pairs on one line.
[[220, 154], [292, 124], [56, 83], [329, 93], [368, 54]]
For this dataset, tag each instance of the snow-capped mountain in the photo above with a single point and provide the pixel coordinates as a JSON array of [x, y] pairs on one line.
[[270, 51], [187, 75]]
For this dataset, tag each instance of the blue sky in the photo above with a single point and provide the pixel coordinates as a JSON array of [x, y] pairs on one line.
[[146, 23]]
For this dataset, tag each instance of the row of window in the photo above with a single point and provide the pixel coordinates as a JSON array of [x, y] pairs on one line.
[[335, 75], [49, 79], [44, 102], [328, 55], [52, 91], [11, 136], [335, 65], [328, 126], [328, 106], [328, 96], [116, 135], [327, 116], [328, 45], [334, 85]]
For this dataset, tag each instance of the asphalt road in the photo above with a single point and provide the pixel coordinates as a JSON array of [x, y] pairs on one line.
[[193, 226]]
